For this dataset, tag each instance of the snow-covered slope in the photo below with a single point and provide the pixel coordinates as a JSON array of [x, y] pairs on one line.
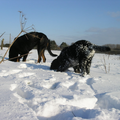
[[31, 91]]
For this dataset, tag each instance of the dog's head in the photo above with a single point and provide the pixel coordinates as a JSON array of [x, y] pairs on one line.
[[54, 64], [84, 48]]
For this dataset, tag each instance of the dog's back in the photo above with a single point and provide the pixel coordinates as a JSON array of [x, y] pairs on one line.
[[27, 41]]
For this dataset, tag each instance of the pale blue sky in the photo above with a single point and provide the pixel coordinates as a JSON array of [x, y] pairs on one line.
[[67, 21]]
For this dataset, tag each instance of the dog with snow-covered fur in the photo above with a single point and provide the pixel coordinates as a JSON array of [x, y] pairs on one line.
[[79, 56]]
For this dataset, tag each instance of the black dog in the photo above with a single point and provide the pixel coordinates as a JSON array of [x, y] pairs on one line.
[[27, 42], [79, 56]]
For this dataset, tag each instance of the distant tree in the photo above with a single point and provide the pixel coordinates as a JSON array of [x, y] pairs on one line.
[[63, 45], [6, 45], [2, 43], [53, 45], [118, 47]]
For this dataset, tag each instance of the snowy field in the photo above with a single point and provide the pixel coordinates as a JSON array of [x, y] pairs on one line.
[[31, 91]]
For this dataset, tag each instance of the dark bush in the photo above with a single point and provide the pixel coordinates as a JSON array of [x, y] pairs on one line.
[[63, 45]]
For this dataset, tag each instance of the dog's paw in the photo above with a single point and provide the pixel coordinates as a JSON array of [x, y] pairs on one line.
[[83, 74]]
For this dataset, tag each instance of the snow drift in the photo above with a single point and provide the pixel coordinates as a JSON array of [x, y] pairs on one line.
[[29, 90]]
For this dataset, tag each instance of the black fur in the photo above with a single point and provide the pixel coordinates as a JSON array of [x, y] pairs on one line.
[[79, 56], [27, 42]]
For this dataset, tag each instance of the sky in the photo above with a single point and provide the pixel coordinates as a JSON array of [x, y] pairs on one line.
[[97, 21]]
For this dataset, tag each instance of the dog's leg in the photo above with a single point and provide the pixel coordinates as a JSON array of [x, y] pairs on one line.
[[76, 69], [18, 59], [39, 54], [88, 65], [43, 56], [25, 57], [39, 58], [82, 65]]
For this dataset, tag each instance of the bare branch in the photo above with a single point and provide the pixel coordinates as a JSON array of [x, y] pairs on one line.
[[9, 48], [18, 56], [106, 66], [2, 35], [23, 21], [20, 11]]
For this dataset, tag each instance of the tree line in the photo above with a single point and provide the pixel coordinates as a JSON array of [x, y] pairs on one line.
[[115, 48]]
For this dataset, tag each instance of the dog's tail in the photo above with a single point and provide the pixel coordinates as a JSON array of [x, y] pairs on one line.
[[49, 50], [101, 48]]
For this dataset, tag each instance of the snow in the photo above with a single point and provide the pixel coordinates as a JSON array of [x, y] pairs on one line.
[[31, 91]]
